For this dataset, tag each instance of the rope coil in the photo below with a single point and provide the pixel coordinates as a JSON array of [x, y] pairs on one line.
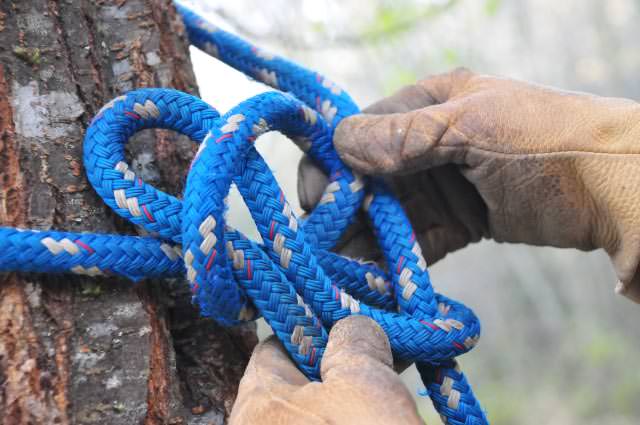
[[292, 279]]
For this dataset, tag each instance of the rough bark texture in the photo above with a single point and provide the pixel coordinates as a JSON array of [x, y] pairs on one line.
[[81, 350]]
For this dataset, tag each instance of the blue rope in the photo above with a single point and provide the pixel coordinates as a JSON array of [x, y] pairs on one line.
[[292, 279]]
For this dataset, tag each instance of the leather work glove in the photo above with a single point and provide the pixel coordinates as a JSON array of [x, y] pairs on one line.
[[473, 156], [358, 384]]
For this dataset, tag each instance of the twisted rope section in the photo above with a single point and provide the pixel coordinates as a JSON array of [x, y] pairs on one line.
[[292, 280]]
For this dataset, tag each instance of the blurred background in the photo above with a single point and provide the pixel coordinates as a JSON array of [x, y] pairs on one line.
[[558, 346]]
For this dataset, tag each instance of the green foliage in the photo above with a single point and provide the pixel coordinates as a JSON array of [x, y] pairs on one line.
[[450, 57], [604, 348], [390, 21], [624, 396], [318, 27], [491, 6], [605, 352], [586, 402], [399, 78], [502, 404]]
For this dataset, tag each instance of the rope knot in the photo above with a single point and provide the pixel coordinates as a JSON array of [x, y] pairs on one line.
[[291, 279]]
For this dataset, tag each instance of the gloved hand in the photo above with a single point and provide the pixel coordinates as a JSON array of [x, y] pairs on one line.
[[358, 384], [473, 156]]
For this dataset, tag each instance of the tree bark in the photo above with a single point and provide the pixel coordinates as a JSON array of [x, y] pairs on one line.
[[97, 350]]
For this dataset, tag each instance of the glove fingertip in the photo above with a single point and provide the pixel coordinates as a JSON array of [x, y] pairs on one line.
[[357, 339], [311, 183]]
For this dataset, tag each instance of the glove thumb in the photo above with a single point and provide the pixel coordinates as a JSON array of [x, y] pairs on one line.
[[400, 143]]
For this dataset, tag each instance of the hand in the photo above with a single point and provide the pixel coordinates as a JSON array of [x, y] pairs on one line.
[[473, 156], [358, 384]]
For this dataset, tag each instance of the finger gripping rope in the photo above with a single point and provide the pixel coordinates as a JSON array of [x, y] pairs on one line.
[[291, 279]]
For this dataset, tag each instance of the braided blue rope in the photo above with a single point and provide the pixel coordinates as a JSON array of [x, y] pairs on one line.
[[292, 280]]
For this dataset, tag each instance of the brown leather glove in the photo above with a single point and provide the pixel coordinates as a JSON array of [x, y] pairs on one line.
[[474, 156], [358, 384]]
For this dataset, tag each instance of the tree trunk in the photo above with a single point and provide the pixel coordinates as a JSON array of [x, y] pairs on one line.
[[89, 350]]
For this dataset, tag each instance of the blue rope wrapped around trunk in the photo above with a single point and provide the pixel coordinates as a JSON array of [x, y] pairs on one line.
[[292, 279]]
